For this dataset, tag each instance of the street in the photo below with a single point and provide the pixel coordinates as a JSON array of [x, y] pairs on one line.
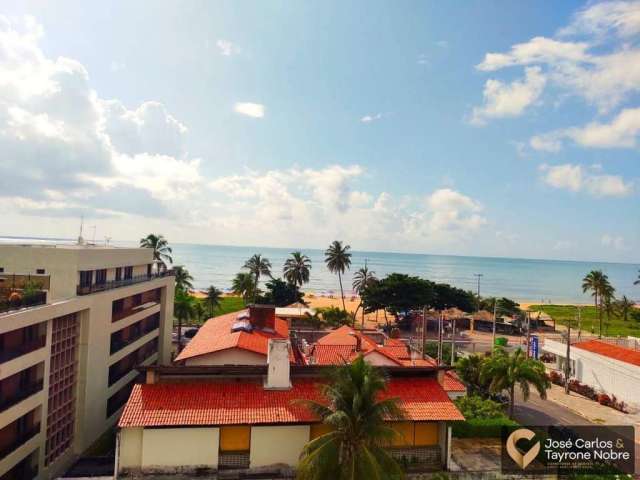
[[537, 411]]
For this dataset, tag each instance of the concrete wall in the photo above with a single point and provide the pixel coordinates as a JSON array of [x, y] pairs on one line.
[[379, 360], [278, 444], [602, 373], [130, 448], [231, 356], [176, 447]]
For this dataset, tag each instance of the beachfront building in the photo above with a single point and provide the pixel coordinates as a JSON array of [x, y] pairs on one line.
[[202, 419], [237, 338], [611, 366], [345, 344], [75, 320]]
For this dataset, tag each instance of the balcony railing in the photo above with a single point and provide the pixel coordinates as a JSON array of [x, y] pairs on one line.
[[131, 361], [9, 353], [110, 285], [22, 394], [19, 440], [11, 299]]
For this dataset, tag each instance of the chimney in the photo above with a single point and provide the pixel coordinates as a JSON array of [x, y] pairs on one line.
[[440, 376], [263, 317], [278, 367]]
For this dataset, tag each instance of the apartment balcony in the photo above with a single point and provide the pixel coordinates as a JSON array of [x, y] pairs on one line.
[[137, 331], [15, 299], [125, 282], [19, 439], [24, 392], [11, 352]]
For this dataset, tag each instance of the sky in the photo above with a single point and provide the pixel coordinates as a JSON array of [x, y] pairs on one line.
[[469, 128]]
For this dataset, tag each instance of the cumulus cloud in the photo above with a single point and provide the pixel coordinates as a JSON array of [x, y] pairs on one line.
[[371, 118], [509, 99], [613, 241], [255, 110], [227, 48], [577, 62], [577, 178]]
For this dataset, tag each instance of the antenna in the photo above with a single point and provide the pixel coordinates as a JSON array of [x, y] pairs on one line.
[[80, 239], [106, 241]]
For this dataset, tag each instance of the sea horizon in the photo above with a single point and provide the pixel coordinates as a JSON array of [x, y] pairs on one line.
[[523, 279]]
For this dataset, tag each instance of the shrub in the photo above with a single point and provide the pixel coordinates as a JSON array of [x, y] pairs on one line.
[[604, 399], [556, 378], [336, 317], [475, 407], [547, 357], [482, 428]]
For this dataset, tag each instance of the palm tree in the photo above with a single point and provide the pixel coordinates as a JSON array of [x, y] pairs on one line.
[[362, 279], [469, 370], [183, 279], [503, 372], [355, 446], [183, 310], [243, 285], [257, 266], [624, 306], [297, 268], [597, 283], [213, 298], [637, 282], [338, 260], [161, 249]]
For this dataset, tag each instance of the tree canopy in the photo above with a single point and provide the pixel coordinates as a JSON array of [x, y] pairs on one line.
[[280, 293]]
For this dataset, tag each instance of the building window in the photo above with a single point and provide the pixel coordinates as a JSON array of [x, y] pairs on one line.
[[118, 273], [137, 299], [1, 269], [128, 273], [235, 438], [149, 270], [40, 271], [101, 276], [86, 278]]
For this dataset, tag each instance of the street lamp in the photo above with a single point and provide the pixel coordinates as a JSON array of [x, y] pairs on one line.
[[479, 275]]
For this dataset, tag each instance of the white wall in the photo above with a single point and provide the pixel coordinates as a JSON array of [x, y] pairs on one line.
[[602, 373], [281, 444], [231, 356], [176, 447]]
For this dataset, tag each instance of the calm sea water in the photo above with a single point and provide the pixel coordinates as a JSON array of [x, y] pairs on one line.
[[520, 279]]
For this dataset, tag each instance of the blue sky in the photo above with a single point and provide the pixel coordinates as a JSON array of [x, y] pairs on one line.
[[413, 126]]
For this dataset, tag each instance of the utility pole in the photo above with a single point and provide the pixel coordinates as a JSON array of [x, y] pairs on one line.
[[440, 339], [567, 365], [528, 317], [424, 331], [493, 334], [479, 275], [453, 342], [579, 323]]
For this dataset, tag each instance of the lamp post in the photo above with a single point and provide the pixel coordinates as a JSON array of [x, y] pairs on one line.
[[479, 276]]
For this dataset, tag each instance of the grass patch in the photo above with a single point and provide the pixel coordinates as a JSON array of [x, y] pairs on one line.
[[227, 305], [482, 427], [613, 326]]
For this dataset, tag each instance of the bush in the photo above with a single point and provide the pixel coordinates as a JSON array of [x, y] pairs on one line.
[[556, 378], [475, 407], [336, 317], [547, 357], [482, 428]]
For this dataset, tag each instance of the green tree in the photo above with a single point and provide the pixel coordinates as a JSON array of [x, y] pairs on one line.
[[469, 370], [183, 280], [161, 249], [338, 260], [242, 284], [336, 317], [280, 293], [445, 296], [624, 306], [361, 279], [598, 284], [398, 293], [431, 350], [355, 448], [213, 298], [297, 269], [184, 309], [504, 306], [257, 265], [505, 371]]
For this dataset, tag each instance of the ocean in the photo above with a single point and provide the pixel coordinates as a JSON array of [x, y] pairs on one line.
[[520, 279]]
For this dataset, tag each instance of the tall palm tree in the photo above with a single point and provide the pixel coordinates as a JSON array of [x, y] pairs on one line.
[[296, 269], [161, 249], [597, 283], [183, 280], [338, 260], [503, 371], [624, 306], [213, 298], [355, 446], [361, 279], [257, 266], [183, 310], [243, 285]]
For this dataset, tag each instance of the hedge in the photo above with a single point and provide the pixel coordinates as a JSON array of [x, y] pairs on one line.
[[482, 428]]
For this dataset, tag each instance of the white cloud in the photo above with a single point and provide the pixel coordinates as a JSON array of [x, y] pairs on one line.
[[255, 110], [576, 178], [509, 100], [451, 210], [442, 43], [549, 142], [613, 241], [227, 48], [617, 17], [371, 118]]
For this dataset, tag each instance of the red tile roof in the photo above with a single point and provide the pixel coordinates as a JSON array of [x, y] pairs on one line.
[[216, 335], [612, 351], [422, 399]]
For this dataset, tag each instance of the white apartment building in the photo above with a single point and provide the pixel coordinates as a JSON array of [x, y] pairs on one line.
[[75, 321]]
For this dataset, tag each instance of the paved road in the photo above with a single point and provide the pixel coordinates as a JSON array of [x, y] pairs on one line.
[[536, 411]]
